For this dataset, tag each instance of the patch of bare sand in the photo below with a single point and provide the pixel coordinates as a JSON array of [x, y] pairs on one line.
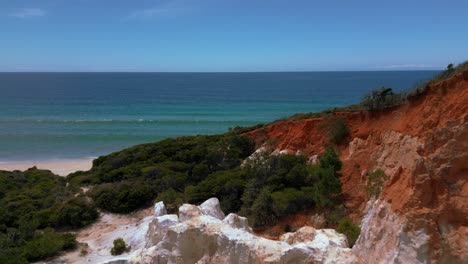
[[61, 167], [97, 239]]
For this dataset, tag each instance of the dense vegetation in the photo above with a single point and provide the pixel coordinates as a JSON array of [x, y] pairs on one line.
[[133, 178], [32, 204], [193, 169]]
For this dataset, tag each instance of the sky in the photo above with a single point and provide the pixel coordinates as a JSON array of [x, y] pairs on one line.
[[231, 35]]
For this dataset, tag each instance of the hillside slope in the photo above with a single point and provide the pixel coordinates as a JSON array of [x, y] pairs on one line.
[[421, 214]]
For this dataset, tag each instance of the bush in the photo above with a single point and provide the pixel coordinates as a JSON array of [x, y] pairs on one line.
[[262, 212], [171, 198], [31, 203], [336, 127], [375, 183], [290, 200], [350, 230], [77, 213], [381, 99], [46, 245], [123, 198], [450, 71], [119, 247]]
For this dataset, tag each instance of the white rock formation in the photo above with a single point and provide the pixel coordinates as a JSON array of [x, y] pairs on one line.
[[201, 234], [213, 208], [159, 209]]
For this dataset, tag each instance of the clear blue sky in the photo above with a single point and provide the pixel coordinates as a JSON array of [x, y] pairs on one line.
[[231, 35]]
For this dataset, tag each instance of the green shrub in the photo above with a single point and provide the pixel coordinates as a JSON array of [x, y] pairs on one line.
[[336, 128], [31, 203], [350, 230], [450, 71], [171, 198], [119, 247], [227, 185], [123, 198], [77, 212], [380, 99], [199, 172], [375, 183], [290, 200], [46, 245], [262, 212]]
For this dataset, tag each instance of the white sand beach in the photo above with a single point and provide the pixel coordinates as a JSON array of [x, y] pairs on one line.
[[61, 167]]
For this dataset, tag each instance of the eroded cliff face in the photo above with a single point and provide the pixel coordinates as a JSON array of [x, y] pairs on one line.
[[421, 215]]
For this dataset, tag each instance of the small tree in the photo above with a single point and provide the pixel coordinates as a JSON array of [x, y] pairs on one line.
[[119, 247], [375, 183], [336, 127], [349, 229], [262, 213], [380, 99]]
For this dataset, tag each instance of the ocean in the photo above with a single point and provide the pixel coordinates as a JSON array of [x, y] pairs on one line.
[[80, 115]]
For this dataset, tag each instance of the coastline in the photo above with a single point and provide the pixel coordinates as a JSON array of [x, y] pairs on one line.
[[61, 167]]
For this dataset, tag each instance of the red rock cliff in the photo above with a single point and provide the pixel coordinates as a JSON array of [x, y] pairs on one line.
[[421, 215]]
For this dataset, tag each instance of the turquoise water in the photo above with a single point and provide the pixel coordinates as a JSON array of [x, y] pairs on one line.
[[78, 115]]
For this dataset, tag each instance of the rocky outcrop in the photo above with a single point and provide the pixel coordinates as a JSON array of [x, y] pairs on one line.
[[201, 234]]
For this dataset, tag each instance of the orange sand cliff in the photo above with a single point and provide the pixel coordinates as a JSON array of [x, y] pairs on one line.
[[423, 147]]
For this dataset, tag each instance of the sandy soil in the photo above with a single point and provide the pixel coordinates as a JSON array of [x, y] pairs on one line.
[[97, 239], [61, 167]]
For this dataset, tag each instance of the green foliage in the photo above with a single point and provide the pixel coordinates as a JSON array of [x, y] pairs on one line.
[[123, 197], [47, 244], [262, 211], [193, 169], [227, 185], [336, 128], [291, 200], [287, 185], [242, 130], [350, 230], [119, 247], [339, 131], [77, 212], [380, 99], [170, 197], [451, 71], [327, 176], [43, 244], [33, 200], [170, 169], [375, 183]]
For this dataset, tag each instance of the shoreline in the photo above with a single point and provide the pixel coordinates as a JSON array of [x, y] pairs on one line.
[[61, 167]]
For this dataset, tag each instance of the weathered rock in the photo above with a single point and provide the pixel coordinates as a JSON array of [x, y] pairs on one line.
[[213, 208], [158, 228], [189, 211], [200, 237], [159, 209], [239, 222]]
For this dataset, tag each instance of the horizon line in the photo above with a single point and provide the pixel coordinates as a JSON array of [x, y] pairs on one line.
[[285, 71]]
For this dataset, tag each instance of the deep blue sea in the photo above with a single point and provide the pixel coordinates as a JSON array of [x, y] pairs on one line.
[[77, 115]]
